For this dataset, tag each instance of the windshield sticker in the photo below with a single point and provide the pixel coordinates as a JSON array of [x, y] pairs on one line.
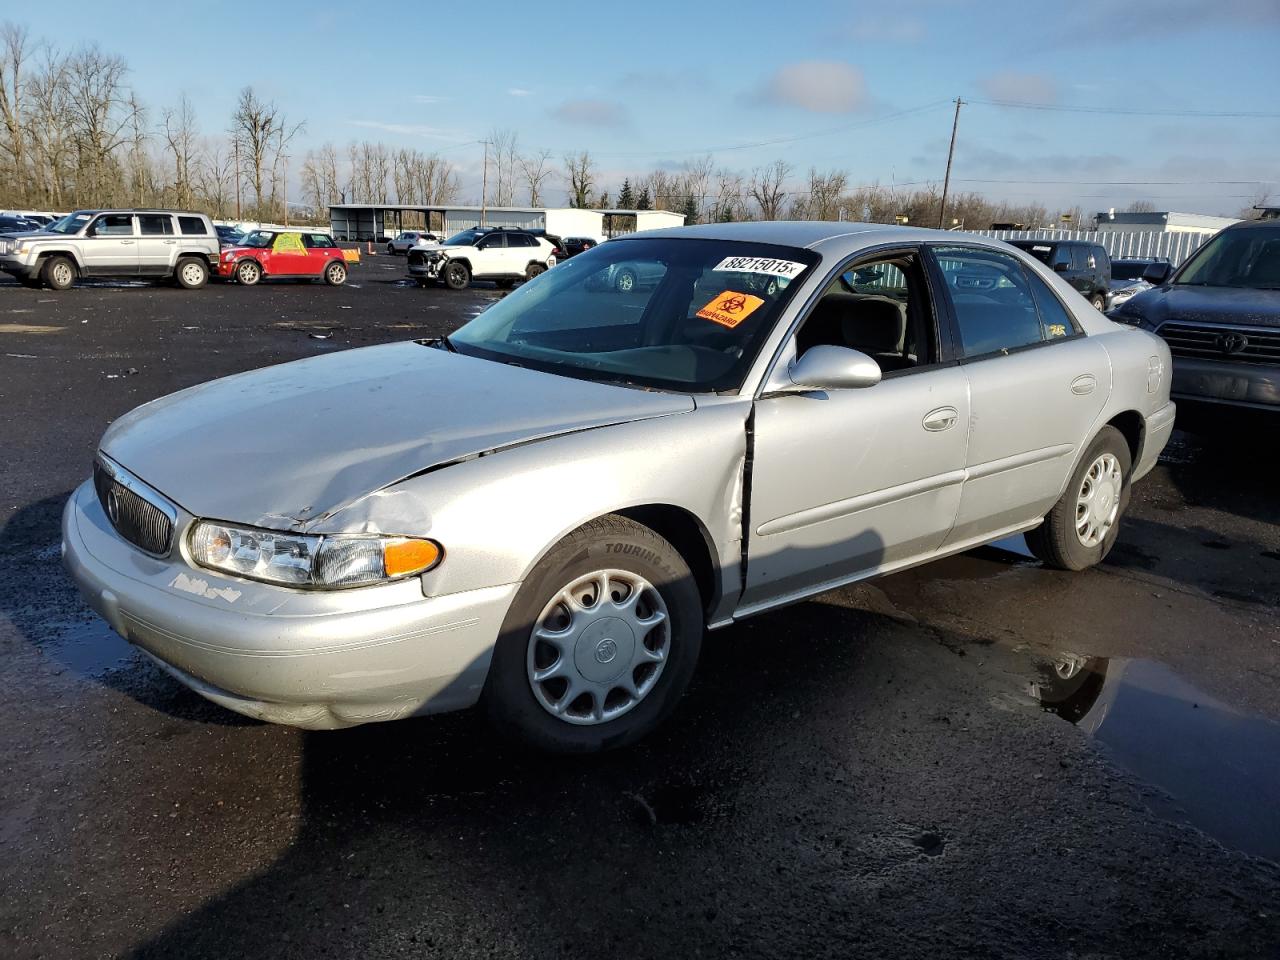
[[765, 265], [730, 308]]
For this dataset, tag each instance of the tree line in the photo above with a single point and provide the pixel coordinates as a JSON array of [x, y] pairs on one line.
[[73, 133]]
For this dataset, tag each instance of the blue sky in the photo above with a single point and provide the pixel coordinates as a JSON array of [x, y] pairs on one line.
[[653, 84]]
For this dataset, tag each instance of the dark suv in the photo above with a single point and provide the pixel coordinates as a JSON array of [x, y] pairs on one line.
[[1084, 265], [1220, 315]]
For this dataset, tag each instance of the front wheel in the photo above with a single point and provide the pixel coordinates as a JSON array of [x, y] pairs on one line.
[[457, 276], [248, 272], [625, 281], [600, 642], [391, 249], [1083, 525], [59, 273], [1099, 302], [335, 275]]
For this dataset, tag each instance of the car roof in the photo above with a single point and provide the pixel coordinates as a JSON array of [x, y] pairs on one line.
[[1263, 225], [814, 233]]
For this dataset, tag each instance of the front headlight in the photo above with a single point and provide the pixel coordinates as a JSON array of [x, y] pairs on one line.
[[326, 561]]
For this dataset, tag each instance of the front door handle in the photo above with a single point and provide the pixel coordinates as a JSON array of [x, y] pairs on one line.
[[1083, 385], [126, 243], [170, 242], [944, 418]]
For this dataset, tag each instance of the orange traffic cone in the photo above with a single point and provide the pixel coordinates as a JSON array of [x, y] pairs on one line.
[[370, 248]]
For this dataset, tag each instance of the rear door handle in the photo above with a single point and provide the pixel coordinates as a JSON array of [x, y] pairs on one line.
[[944, 418], [1083, 385], [170, 242]]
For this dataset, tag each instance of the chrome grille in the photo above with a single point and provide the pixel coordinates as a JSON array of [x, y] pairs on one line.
[[1239, 345], [134, 517]]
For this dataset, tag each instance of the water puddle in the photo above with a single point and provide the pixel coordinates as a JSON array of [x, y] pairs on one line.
[[91, 649], [1217, 765]]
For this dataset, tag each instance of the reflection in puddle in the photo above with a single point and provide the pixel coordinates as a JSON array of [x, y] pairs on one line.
[[1218, 765], [91, 649]]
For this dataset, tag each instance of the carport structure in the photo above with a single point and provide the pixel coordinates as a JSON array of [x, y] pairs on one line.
[[382, 221]]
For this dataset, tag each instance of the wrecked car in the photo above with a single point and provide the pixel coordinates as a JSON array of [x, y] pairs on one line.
[[544, 511]]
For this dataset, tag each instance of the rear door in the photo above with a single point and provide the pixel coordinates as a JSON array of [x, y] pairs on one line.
[[111, 246], [157, 244], [1037, 386], [844, 482]]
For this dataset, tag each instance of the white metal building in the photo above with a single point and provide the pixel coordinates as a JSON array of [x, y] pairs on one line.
[[1166, 222], [380, 221]]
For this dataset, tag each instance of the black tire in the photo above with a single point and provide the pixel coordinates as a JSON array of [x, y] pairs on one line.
[[1099, 301], [391, 250], [1056, 542], [192, 273], [248, 272], [534, 270], [335, 274], [608, 543], [626, 280], [59, 273], [456, 276]]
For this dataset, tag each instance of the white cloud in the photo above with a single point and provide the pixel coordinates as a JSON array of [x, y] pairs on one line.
[[821, 86], [1020, 87], [429, 98], [519, 92], [413, 130], [592, 113]]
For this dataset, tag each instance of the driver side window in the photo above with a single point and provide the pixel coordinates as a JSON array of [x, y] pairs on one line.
[[880, 307], [113, 225]]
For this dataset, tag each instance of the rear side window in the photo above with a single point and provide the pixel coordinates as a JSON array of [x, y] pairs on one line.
[[193, 226], [315, 241], [1100, 255], [991, 297], [1081, 258], [155, 225], [520, 240]]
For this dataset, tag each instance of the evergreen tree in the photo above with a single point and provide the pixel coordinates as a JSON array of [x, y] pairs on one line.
[[690, 210], [643, 202], [626, 198]]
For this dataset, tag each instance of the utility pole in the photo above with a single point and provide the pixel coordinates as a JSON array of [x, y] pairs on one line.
[[946, 181], [236, 143], [484, 186], [286, 191]]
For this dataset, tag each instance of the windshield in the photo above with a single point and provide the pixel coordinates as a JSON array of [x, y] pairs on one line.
[[466, 238], [258, 238], [71, 223], [1236, 258], [687, 315]]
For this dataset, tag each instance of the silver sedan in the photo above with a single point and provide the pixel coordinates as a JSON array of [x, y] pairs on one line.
[[546, 510]]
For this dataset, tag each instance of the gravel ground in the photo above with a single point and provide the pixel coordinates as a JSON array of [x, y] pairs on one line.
[[887, 770]]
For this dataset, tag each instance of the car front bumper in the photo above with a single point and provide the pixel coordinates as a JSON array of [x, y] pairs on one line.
[[313, 659], [1253, 385], [17, 266]]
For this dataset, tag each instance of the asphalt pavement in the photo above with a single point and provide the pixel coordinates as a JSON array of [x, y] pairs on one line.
[[977, 758]]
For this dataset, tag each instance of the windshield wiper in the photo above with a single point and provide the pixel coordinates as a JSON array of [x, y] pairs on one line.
[[448, 344]]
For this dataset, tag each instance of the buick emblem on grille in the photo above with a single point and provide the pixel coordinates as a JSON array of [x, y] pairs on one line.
[[113, 508], [1230, 343]]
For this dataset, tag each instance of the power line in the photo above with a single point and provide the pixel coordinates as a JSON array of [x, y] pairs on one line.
[[1130, 112], [721, 148]]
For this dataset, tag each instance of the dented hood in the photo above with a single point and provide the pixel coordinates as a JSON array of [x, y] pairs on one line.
[[288, 444]]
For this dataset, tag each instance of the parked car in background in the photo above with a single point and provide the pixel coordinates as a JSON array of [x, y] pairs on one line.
[[404, 242], [1126, 278], [482, 253], [284, 254], [1086, 266], [145, 244], [576, 245], [1220, 314], [543, 511], [17, 225], [229, 236]]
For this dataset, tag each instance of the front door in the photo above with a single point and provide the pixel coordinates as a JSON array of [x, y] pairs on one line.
[[1037, 386], [288, 256], [845, 482], [111, 246]]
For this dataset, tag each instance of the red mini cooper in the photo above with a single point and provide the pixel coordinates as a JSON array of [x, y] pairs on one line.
[[274, 254]]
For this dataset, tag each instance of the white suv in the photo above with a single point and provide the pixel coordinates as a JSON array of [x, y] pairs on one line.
[[482, 253], [406, 240]]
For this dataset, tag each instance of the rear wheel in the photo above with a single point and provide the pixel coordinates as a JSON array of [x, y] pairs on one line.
[[1099, 302], [534, 269], [192, 274], [1082, 527], [600, 642], [248, 272], [59, 273], [335, 275], [391, 249], [625, 281], [457, 276]]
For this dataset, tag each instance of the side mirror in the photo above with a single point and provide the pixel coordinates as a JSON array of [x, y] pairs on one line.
[[828, 367], [1061, 266], [1157, 273]]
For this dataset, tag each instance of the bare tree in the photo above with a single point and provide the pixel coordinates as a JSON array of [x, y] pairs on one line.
[[696, 186], [730, 200], [102, 114], [580, 177], [505, 146], [1140, 206], [536, 173], [823, 200], [766, 188], [13, 84], [182, 137], [215, 178], [263, 135]]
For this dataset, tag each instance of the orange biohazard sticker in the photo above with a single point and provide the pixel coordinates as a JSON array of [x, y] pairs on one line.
[[730, 308]]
